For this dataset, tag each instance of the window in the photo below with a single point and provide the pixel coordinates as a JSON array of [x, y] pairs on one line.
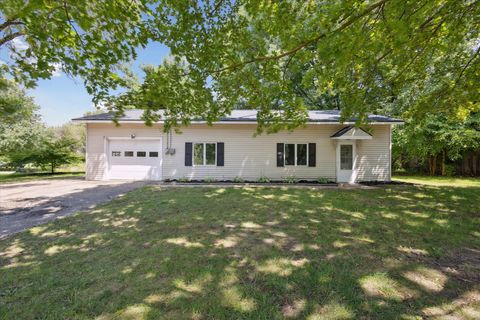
[[289, 154], [346, 155], [210, 153], [153, 154], [141, 154], [128, 153], [204, 154], [116, 153], [302, 154], [198, 154], [296, 154]]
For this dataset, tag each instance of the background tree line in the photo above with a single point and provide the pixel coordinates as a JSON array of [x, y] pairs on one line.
[[26, 141]]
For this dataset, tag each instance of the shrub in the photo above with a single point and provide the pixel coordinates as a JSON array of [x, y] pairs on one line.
[[323, 180], [263, 179], [238, 179], [183, 179], [209, 179], [290, 179]]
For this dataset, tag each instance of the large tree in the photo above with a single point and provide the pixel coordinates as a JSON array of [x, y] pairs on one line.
[[408, 56], [81, 38], [20, 126]]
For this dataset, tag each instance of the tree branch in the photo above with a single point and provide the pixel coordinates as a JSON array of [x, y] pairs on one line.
[[475, 55], [10, 22], [306, 43], [10, 37], [70, 22]]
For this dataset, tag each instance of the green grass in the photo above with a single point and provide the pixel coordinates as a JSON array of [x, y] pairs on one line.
[[440, 181], [11, 177], [259, 253]]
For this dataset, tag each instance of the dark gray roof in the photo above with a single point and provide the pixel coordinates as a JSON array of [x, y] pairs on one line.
[[241, 116], [342, 131]]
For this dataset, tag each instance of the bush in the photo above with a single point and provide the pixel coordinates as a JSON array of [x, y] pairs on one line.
[[290, 179], [263, 179], [238, 179], [209, 179], [449, 170], [183, 179], [323, 180]]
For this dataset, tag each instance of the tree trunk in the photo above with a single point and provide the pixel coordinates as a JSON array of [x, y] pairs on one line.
[[53, 168], [432, 162], [443, 162], [474, 163]]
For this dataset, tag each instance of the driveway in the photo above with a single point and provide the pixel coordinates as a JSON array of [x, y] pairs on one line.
[[27, 204]]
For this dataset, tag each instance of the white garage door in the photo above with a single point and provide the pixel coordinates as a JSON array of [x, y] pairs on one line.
[[135, 159]]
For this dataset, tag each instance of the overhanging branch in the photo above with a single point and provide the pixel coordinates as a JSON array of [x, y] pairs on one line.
[[302, 45]]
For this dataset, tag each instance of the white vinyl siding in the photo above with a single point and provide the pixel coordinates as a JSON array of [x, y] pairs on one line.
[[247, 156]]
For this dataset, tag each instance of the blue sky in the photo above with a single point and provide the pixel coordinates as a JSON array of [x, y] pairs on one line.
[[62, 98]]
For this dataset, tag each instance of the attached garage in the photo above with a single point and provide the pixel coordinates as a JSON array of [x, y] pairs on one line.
[[134, 159]]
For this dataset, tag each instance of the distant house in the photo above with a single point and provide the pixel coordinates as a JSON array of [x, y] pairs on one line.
[[325, 148]]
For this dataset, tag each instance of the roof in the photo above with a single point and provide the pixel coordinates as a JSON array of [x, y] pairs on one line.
[[328, 116], [351, 132]]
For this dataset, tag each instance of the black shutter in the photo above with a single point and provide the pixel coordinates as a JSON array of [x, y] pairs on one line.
[[188, 154], [280, 149], [312, 154], [220, 153]]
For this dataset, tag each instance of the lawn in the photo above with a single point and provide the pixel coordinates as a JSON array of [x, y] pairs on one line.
[[260, 253], [11, 177]]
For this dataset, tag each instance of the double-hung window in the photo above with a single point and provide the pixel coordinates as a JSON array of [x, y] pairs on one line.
[[295, 154], [204, 154]]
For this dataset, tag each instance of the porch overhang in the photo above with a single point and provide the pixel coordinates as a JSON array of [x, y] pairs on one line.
[[351, 133]]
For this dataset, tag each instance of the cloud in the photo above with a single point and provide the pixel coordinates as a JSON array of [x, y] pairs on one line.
[[19, 44], [57, 72]]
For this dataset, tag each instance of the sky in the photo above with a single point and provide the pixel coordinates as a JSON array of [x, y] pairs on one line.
[[62, 98]]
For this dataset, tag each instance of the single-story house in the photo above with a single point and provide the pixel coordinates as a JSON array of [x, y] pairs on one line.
[[324, 149]]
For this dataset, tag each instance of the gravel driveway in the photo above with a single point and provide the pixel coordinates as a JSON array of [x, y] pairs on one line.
[[27, 204]]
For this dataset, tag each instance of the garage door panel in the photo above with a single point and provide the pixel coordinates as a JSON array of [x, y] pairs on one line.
[[145, 162]]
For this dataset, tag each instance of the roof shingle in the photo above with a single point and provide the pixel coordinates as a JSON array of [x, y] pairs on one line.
[[240, 116]]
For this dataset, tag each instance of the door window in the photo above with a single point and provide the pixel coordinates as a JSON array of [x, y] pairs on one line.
[[346, 157]]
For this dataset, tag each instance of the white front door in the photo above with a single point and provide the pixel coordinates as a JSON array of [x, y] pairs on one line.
[[134, 159], [345, 162]]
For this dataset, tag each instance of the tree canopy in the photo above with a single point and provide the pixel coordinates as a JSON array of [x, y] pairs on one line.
[[406, 57], [435, 138]]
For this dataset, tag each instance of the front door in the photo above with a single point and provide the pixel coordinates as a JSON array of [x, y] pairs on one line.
[[345, 162]]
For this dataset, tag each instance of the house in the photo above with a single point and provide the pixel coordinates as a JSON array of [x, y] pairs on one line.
[[228, 149]]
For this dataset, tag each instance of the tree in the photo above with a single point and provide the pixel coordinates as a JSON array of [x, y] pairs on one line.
[[15, 105], [20, 127], [52, 153], [75, 133], [437, 138], [412, 57], [80, 38]]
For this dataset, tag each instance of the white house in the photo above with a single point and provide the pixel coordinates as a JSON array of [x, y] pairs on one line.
[[324, 148]]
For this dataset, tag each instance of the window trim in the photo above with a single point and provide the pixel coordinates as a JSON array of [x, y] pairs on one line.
[[204, 154], [296, 155]]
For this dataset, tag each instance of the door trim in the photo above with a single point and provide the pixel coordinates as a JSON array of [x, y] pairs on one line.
[[353, 175]]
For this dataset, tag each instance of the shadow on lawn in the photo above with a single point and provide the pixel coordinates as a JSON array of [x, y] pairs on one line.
[[253, 253]]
